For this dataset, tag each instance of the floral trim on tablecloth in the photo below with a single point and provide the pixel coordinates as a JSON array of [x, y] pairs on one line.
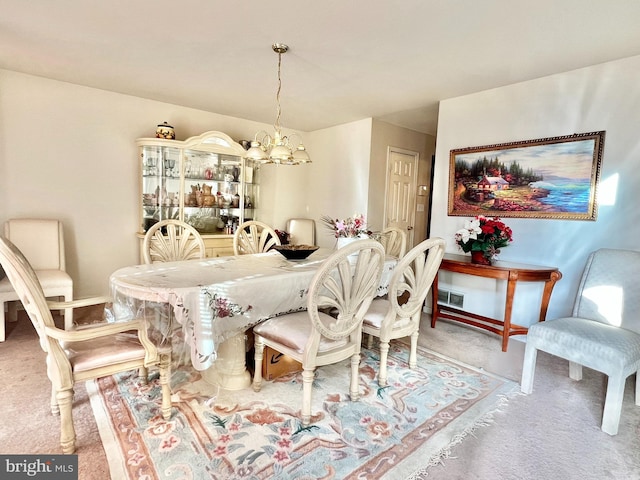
[[222, 307]]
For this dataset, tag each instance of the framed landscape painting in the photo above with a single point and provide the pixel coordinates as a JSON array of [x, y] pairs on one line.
[[552, 178]]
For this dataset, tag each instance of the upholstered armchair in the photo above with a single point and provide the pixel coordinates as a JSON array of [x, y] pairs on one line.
[[42, 242], [602, 333], [302, 231], [84, 353]]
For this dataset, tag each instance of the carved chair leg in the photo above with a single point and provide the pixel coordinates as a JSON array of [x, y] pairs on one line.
[[307, 384], [258, 355], [67, 432], [382, 373], [165, 379], [413, 353], [354, 389], [55, 409], [143, 375]]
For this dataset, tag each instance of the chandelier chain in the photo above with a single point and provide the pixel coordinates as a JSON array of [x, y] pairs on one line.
[[279, 110], [277, 148]]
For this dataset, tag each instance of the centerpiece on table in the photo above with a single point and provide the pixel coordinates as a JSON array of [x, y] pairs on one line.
[[483, 237], [347, 230]]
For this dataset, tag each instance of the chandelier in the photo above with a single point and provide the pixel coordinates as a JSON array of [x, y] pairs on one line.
[[277, 148]]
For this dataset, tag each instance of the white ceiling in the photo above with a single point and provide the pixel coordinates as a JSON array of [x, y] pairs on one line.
[[349, 59]]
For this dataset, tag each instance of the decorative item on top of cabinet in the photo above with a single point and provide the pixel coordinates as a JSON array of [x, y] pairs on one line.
[[204, 181], [165, 130]]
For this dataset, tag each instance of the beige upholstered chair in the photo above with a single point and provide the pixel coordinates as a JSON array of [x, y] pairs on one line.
[[171, 240], [602, 333], [42, 242], [302, 231], [394, 241], [254, 237], [314, 338], [85, 353], [388, 318]]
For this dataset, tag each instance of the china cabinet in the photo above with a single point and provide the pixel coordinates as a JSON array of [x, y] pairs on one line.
[[204, 181]]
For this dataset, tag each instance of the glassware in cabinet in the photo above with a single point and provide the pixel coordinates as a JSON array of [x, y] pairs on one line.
[[203, 181], [160, 184]]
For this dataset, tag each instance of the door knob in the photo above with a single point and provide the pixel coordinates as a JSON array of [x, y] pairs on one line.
[[409, 227]]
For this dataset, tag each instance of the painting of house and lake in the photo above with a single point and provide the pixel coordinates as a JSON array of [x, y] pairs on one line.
[[546, 178]]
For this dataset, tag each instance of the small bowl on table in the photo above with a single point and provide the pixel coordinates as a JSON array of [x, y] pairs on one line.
[[296, 252]]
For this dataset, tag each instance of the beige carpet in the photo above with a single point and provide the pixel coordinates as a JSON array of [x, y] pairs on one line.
[[552, 434]]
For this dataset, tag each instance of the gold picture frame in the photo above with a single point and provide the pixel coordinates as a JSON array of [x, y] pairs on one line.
[[553, 178]]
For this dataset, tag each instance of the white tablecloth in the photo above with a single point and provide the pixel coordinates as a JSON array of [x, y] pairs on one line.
[[215, 299]]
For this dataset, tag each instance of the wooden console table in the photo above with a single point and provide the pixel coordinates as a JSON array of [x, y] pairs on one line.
[[512, 272]]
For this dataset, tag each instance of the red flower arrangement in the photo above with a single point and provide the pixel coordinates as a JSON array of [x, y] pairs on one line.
[[483, 234]]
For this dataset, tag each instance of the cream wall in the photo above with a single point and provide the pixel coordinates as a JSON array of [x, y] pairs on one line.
[[68, 152], [385, 135], [602, 97], [334, 184], [338, 186]]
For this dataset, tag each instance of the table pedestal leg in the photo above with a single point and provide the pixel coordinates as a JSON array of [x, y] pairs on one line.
[[229, 371]]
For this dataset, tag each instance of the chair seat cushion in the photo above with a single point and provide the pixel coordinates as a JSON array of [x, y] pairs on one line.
[[378, 311], [293, 330], [111, 350], [596, 345], [48, 279]]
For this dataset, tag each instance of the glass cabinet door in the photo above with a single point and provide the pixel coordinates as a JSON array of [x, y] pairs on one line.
[[202, 181], [212, 197], [249, 199], [160, 184]]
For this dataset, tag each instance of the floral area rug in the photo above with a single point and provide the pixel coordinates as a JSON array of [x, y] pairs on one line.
[[394, 432]]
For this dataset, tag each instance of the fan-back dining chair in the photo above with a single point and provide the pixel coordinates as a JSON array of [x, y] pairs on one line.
[[42, 242], [84, 353], [602, 333], [171, 240], [302, 231], [254, 237], [387, 318], [394, 241], [314, 338]]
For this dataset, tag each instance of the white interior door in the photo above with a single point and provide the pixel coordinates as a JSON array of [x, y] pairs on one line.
[[400, 198]]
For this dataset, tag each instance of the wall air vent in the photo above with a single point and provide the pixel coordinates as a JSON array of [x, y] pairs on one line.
[[449, 297]]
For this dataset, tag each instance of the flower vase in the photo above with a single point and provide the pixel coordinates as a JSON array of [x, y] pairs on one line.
[[479, 258], [344, 241]]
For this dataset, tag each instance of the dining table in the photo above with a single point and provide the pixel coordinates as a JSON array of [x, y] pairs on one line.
[[216, 300]]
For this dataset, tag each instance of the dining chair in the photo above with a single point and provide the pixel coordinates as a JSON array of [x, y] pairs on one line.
[[314, 338], [254, 237], [302, 231], [602, 332], [398, 314], [167, 241], [84, 353], [394, 241], [171, 240], [42, 242]]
